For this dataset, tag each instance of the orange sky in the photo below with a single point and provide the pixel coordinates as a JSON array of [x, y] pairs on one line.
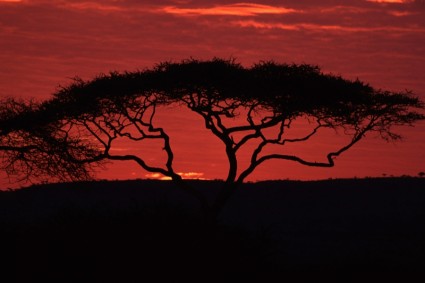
[[44, 43]]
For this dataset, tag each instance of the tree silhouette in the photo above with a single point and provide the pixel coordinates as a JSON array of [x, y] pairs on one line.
[[76, 130], [30, 146]]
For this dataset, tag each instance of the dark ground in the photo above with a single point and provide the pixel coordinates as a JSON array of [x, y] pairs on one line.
[[356, 230]]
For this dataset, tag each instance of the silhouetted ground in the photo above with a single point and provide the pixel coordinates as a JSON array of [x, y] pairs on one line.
[[356, 230]]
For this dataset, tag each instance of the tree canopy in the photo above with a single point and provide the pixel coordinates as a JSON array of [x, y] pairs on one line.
[[73, 132]]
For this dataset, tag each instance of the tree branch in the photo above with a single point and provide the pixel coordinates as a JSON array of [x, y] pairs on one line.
[[255, 161]]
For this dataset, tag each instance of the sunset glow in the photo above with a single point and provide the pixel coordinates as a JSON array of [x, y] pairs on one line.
[[94, 6], [401, 13], [46, 43], [391, 1], [237, 9], [328, 28], [185, 175]]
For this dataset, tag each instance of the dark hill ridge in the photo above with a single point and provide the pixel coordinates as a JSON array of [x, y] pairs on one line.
[[397, 193], [374, 225]]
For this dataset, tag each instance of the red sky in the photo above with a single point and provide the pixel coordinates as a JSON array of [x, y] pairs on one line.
[[44, 43]]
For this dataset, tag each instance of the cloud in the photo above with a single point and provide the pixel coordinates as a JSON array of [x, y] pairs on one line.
[[321, 27], [61, 39], [263, 25], [185, 175], [391, 1], [154, 175], [191, 175], [401, 13], [237, 9], [94, 6], [344, 9]]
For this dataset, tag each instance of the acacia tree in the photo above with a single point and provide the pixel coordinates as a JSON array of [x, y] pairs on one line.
[[31, 149], [81, 123]]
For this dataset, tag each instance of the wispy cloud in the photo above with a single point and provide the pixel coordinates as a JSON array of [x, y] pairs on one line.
[[391, 1], [263, 25], [191, 175], [321, 27], [401, 13], [238, 9], [94, 6], [154, 176], [344, 9], [185, 175]]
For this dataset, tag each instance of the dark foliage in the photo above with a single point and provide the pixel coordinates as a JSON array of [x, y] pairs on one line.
[[32, 149]]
